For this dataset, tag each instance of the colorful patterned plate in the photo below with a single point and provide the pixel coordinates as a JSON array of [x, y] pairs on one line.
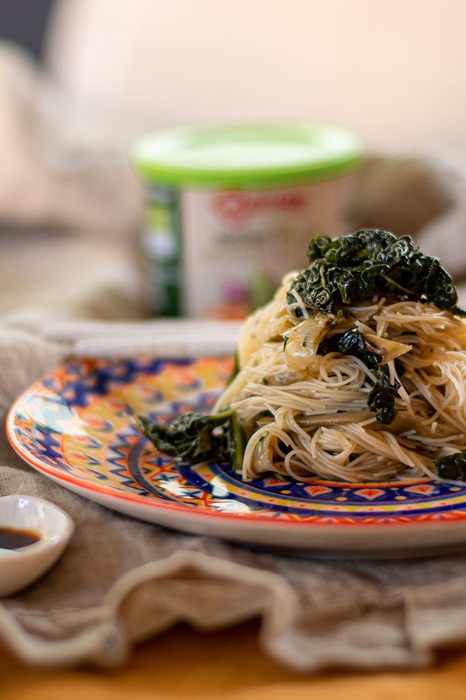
[[75, 427]]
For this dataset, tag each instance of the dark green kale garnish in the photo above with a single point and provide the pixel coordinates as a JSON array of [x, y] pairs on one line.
[[349, 343], [381, 399], [196, 437], [350, 269], [452, 467], [191, 436], [382, 396]]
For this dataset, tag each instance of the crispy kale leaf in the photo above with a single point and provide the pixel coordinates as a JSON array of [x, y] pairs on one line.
[[196, 437], [352, 268], [350, 342], [191, 437], [452, 467], [381, 398]]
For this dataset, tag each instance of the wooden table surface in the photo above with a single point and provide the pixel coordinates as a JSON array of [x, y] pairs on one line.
[[183, 663]]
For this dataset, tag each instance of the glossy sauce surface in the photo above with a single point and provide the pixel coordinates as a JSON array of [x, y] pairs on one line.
[[15, 538]]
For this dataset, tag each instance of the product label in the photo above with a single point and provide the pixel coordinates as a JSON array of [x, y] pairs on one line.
[[238, 244], [211, 253]]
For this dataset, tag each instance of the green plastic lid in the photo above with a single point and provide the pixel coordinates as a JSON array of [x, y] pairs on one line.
[[245, 156]]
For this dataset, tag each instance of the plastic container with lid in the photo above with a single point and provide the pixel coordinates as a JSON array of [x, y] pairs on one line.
[[231, 209]]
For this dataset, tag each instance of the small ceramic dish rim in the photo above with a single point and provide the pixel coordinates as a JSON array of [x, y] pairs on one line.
[[21, 567]]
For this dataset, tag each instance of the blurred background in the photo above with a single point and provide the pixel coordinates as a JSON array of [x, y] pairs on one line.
[[393, 72], [80, 79]]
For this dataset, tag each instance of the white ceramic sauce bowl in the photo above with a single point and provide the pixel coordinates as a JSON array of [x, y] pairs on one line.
[[21, 567]]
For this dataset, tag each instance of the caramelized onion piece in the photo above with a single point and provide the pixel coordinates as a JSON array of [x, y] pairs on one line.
[[302, 341], [263, 455], [284, 378], [387, 349]]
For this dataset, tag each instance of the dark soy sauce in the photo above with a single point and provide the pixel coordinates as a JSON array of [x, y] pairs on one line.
[[13, 538]]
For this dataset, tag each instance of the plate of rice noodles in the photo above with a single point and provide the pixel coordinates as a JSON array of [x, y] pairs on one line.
[[339, 429]]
